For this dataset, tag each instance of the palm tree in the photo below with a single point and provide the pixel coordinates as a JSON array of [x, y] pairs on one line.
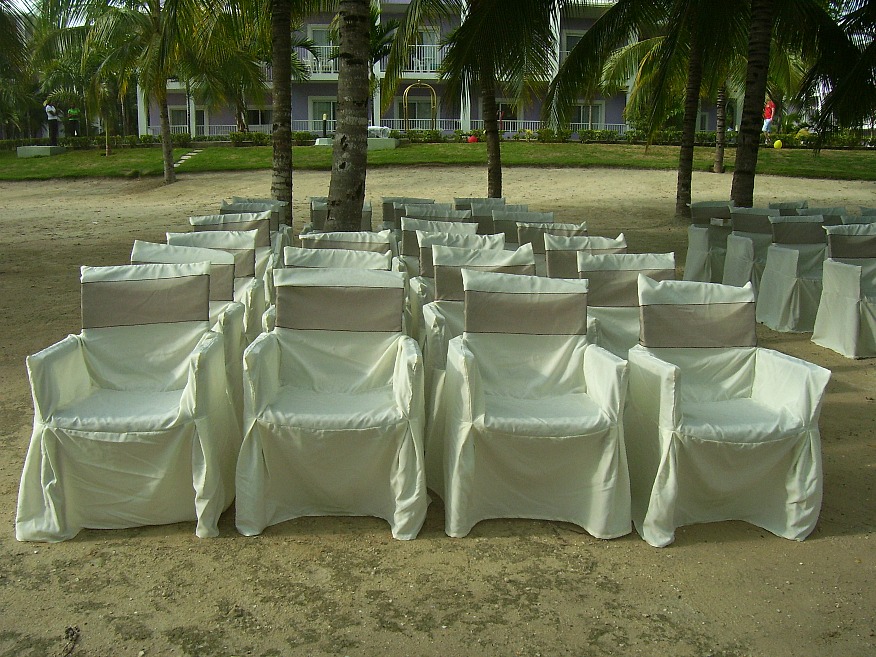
[[350, 150]]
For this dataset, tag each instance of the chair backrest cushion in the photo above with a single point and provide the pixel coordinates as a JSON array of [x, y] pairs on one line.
[[690, 314], [614, 278], [561, 251], [534, 232], [448, 263], [752, 220], [361, 301], [355, 241], [798, 230], [527, 305], [136, 295]]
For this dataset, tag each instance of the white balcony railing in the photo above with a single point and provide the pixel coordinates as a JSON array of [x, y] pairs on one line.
[[323, 59], [424, 59], [444, 125]]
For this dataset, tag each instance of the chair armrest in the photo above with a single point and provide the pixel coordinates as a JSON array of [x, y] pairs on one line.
[[463, 385], [269, 319], [654, 387], [407, 377], [261, 374], [783, 381], [58, 376], [605, 376], [842, 279], [207, 381]]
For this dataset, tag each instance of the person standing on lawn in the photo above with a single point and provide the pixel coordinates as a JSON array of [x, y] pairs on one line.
[[768, 111], [52, 119]]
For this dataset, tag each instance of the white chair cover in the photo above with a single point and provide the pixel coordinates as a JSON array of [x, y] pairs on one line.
[[381, 242], [388, 206], [707, 250], [717, 428], [482, 213], [747, 245], [334, 406], [561, 253], [410, 249], [532, 232], [505, 221], [132, 424], [442, 321], [285, 213], [226, 315], [247, 208], [249, 287], [846, 318], [613, 298], [534, 427], [435, 210], [790, 288]]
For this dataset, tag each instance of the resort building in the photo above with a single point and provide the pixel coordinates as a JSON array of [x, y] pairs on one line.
[[420, 103]]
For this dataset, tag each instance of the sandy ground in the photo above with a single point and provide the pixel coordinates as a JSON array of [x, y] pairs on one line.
[[342, 586]]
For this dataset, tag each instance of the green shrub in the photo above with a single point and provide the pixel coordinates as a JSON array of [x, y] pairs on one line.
[[301, 137], [635, 136], [547, 135], [607, 136], [148, 140], [77, 143], [181, 139]]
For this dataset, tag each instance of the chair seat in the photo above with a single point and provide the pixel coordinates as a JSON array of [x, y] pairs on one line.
[[738, 421], [299, 407], [563, 415], [123, 411]]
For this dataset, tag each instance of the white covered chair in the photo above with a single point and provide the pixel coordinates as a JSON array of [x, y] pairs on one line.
[[132, 424], [561, 253], [790, 288], [747, 246], [421, 289], [482, 212], [409, 248], [282, 207], [431, 211], [382, 242], [388, 208], [235, 207], [707, 241], [505, 221], [334, 406], [718, 428], [249, 289], [534, 412], [613, 293], [226, 315], [846, 318], [531, 232]]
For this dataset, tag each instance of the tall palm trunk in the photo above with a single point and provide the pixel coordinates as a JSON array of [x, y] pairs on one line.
[[689, 125], [491, 134], [720, 129], [760, 33], [350, 150], [281, 64], [166, 138]]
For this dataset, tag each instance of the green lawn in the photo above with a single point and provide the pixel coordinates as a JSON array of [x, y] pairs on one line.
[[833, 164]]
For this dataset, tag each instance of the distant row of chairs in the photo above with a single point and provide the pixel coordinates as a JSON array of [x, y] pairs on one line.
[[790, 253]]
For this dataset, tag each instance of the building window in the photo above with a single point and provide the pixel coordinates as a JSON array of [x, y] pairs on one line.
[[587, 117], [324, 59], [570, 40], [259, 117], [506, 111], [326, 106], [179, 116]]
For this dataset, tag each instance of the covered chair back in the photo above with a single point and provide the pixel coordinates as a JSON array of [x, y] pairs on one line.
[[238, 208], [831, 216], [281, 206], [482, 213], [851, 242], [789, 208], [221, 263], [530, 232], [465, 203], [319, 213], [448, 263], [301, 258], [410, 226], [747, 245], [399, 210], [694, 315], [241, 221], [388, 206], [355, 241], [561, 252], [426, 240], [240, 244], [702, 212], [505, 221], [437, 211]]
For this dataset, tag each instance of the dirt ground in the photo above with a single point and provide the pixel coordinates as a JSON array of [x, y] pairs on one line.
[[343, 586]]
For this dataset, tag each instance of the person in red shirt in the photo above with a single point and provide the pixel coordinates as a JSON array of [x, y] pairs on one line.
[[768, 111]]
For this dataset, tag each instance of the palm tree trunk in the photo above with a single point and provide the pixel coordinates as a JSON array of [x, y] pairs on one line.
[[760, 33], [720, 129], [689, 125], [166, 138], [350, 150], [281, 63], [491, 134]]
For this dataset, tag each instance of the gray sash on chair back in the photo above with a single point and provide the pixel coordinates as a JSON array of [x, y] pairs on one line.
[[692, 316], [619, 287], [240, 244], [459, 240], [410, 226], [534, 232], [341, 300], [789, 208], [354, 241], [257, 221], [798, 230], [221, 263], [530, 306], [702, 212], [465, 203], [448, 263], [829, 216], [176, 293], [388, 203], [752, 220], [505, 221]]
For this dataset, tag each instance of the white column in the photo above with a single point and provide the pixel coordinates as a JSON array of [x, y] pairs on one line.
[[191, 101], [142, 112], [558, 46], [464, 100]]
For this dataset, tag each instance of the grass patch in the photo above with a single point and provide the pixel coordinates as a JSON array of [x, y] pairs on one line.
[[132, 162]]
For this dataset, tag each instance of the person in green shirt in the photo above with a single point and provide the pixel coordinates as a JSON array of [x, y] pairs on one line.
[[73, 118]]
